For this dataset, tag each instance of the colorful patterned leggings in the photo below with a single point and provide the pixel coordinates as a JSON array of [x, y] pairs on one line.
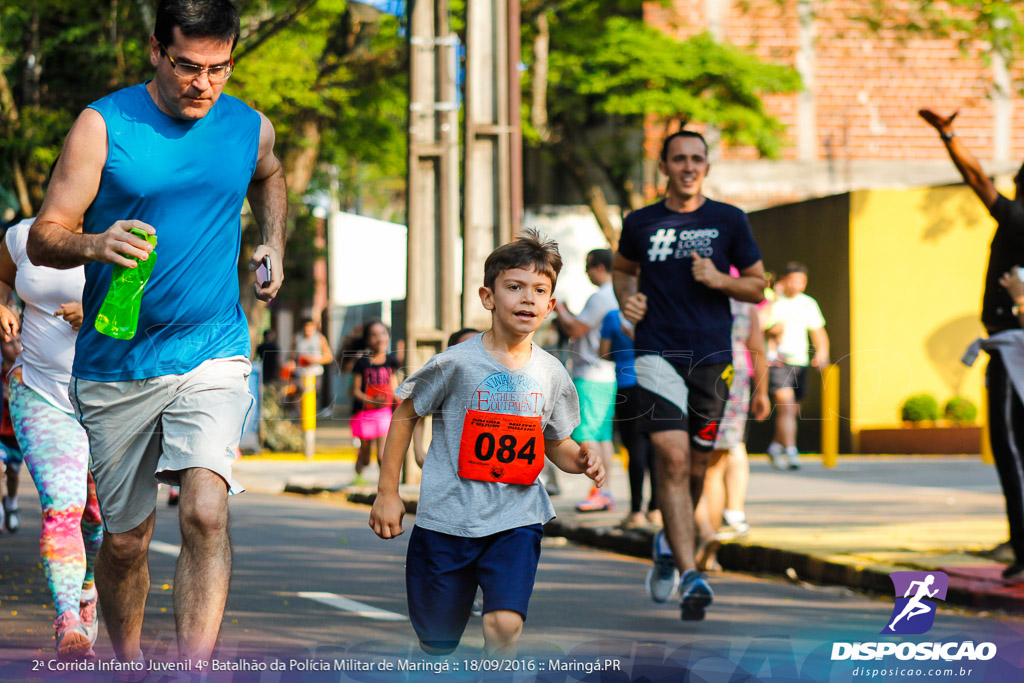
[[56, 451]]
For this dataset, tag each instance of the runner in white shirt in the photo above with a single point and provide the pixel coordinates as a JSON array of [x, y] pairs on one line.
[[55, 446]]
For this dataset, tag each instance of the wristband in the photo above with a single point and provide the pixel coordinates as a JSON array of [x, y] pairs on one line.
[[946, 136]]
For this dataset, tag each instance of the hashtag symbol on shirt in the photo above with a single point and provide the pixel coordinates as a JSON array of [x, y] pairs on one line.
[[662, 244]]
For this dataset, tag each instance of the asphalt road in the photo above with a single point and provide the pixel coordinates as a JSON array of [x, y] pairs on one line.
[[311, 583]]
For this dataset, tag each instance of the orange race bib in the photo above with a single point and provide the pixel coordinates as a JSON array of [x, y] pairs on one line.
[[501, 448]]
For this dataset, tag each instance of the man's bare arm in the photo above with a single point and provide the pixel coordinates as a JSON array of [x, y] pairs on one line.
[[965, 162], [625, 282], [268, 199], [819, 338], [625, 278], [748, 287], [76, 179]]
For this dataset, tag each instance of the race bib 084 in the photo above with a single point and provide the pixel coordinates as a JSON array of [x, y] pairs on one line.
[[501, 448]]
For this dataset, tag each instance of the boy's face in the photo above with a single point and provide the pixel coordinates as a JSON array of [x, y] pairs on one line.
[[520, 301], [793, 284]]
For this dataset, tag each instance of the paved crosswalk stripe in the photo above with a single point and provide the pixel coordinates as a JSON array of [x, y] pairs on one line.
[[165, 548], [355, 607]]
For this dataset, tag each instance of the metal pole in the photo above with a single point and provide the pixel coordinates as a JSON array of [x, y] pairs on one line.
[[830, 415]]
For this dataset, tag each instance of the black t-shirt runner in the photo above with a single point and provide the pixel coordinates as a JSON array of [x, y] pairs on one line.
[[686, 322], [1007, 251], [373, 375]]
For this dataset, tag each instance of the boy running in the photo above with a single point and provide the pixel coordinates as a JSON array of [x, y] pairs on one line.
[[500, 405]]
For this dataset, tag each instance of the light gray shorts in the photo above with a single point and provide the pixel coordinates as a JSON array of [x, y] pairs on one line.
[[142, 432]]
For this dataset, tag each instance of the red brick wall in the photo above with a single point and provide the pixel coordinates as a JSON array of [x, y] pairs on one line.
[[868, 87]]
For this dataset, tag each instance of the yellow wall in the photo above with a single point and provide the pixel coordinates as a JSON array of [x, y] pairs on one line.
[[917, 267]]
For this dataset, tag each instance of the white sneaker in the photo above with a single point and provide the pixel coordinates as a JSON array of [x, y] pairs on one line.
[[793, 459], [88, 614], [777, 456], [663, 578]]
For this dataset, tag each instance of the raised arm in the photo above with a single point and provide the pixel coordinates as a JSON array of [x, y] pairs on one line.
[[965, 162], [53, 240], [268, 199]]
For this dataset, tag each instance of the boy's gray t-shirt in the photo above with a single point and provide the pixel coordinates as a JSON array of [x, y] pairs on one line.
[[465, 377]]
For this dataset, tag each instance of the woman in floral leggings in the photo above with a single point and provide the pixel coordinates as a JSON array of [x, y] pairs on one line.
[[55, 446]]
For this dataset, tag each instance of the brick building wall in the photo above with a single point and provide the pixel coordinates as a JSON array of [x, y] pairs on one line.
[[857, 125]]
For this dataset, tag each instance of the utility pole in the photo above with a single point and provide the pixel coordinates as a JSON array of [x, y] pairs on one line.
[[494, 163], [432, 289], [432, 297]]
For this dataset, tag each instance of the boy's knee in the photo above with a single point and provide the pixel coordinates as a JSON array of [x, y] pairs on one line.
[[503, 626]]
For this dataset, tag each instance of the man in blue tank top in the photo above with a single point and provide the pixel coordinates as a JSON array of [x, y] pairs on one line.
[[175, 158], [671, 278]]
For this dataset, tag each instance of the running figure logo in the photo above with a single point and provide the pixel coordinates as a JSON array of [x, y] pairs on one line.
[[914, 612], [662, 244]]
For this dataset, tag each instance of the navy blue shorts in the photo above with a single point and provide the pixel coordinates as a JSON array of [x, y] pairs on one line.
[[442, 572]]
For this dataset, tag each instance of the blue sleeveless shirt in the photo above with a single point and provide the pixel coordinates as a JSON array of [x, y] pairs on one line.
[[188, 179]]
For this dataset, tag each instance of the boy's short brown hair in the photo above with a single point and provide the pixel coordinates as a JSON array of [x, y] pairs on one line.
[[529, 251]]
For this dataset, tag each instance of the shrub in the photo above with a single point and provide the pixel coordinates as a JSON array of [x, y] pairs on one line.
[[279, 432], [920, 408], [960, 410]]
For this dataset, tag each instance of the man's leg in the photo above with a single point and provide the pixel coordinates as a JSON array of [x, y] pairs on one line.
[[1005, 417], [122, 580], [672, 465], [203, 573], [786, 409]]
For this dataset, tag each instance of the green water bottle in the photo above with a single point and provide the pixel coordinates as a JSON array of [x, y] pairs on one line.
[[119, 314]]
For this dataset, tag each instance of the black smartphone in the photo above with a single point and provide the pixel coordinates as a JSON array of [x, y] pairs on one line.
[[263, 273]]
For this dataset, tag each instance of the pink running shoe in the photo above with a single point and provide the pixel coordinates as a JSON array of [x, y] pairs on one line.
[[72, 639], [597, 501], [87, 614]]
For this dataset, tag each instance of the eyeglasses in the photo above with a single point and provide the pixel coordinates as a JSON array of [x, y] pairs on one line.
[[218, 73]]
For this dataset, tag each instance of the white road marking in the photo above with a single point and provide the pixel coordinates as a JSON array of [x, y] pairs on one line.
[[360, 609], [165, 548]]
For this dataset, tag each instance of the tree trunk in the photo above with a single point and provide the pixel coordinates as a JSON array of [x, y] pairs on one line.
[[9, 125], [539, 86], [300, 160], [589, 181]]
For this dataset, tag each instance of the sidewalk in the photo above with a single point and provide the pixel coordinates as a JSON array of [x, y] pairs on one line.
[[851, 525]]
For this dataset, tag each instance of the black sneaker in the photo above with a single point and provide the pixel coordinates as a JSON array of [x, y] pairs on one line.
[[1014, 573]]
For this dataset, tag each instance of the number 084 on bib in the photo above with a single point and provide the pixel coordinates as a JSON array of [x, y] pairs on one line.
[[501, 448]]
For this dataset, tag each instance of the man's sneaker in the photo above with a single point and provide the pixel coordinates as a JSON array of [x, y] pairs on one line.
[[730, 532], [12, 518], [663, 577], [88, 615], [72, 640], [793, 459], [597, 501], [696, 595], [777, 456], [1014, 573]]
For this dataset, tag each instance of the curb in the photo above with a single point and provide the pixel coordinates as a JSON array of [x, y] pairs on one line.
[[756, 559]]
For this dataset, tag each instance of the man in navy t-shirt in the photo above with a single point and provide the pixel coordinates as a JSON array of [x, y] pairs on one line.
[[671, 277]]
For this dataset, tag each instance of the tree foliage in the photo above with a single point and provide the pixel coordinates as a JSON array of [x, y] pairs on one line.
[[607, 71], [329, 74], [998, 23]]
